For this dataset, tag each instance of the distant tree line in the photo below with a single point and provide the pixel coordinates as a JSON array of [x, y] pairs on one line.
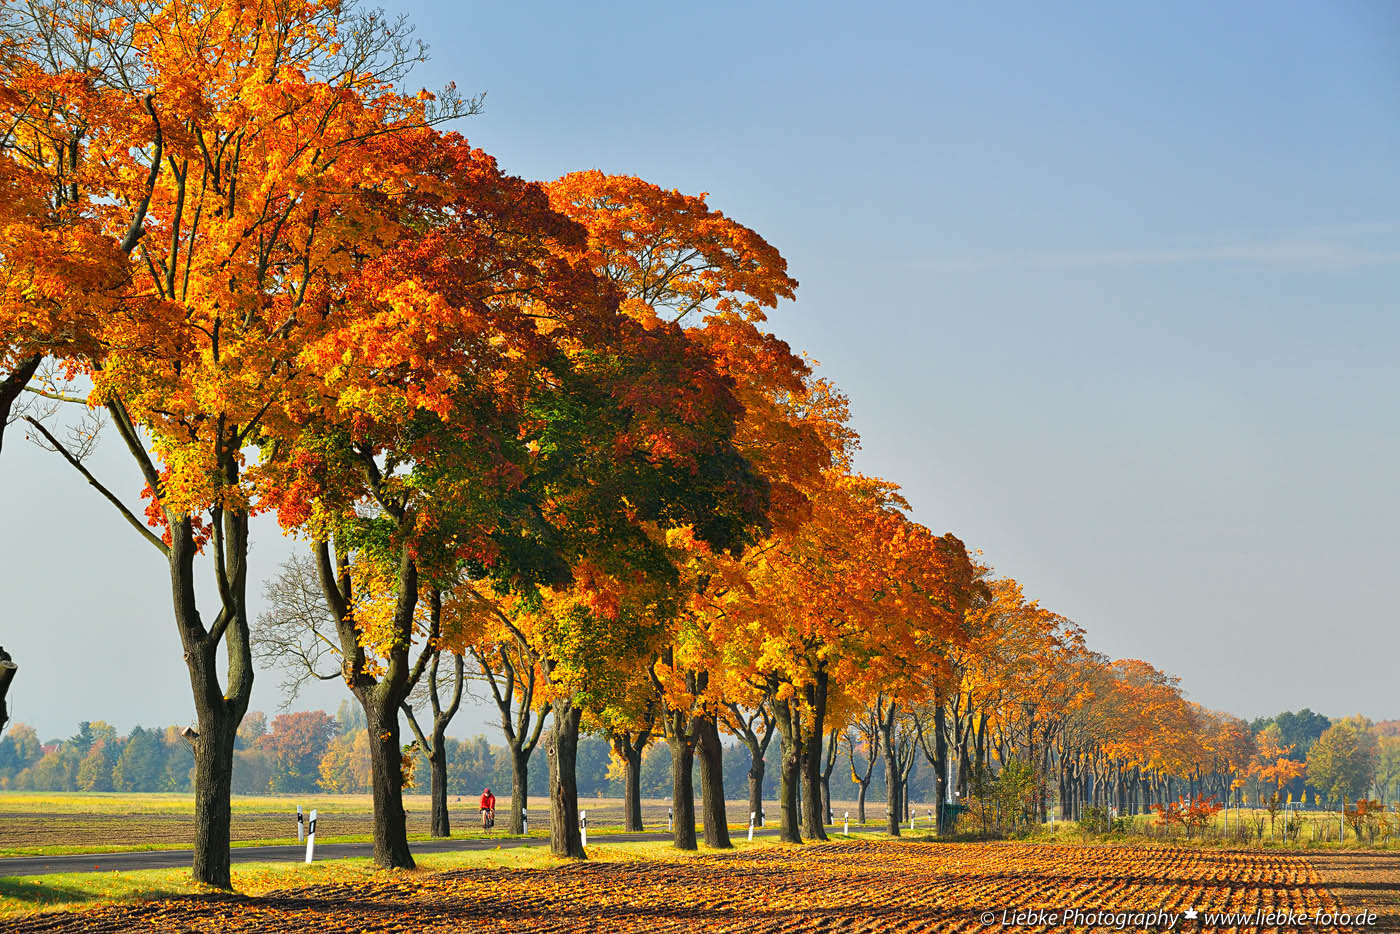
[[96, 759], [310, 751]]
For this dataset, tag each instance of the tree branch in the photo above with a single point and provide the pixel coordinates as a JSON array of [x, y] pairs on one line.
[[111, 497]]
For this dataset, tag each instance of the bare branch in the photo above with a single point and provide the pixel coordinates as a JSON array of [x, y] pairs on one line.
[[111, 497]]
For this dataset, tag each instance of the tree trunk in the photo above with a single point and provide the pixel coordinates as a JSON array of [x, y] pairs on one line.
[[832, 750], [386, 780], [893, 810], [940, 769], [7, 674], [682, 789], [10, 387], [562, 751], [860, 802], [789, 767], [218, 710], [213, 785], [437, 761], [712, 810], [813, 801], [632, 790], [756, 792], [519, 789], [812, 824]]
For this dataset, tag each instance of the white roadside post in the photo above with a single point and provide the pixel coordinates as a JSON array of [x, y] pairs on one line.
[[847, 830], [753, 815], [583, 827], [311, 838], [670, 819], [301, 825], [525, 821]]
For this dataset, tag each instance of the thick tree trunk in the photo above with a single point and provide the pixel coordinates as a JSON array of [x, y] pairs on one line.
[[561, 748], [756, 793], [632, 790], [812, 825], [813, 801], [789, 768], [386, 780], [713, 815], [519, 789], [682, 790], [894, 809], [442, 824], [860, 801], [218, 710], [213, 785]]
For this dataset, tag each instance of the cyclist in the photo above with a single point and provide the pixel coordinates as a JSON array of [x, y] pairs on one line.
[[488, 810]]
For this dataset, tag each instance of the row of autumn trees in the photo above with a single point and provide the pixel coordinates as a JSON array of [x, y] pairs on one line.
[[534, 432], [544, 410]]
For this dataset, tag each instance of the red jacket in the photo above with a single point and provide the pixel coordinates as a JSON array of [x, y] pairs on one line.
[[488, 802]]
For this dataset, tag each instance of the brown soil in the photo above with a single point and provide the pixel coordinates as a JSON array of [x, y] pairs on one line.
[[860, 887], [1363, 881]]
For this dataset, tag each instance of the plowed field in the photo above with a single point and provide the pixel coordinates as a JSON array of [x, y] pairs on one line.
[[858, 887]]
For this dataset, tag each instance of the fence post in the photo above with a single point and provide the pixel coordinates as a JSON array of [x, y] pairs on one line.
[[311, 838]]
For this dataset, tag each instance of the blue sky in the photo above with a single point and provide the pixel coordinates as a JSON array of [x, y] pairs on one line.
[[1112, 288]]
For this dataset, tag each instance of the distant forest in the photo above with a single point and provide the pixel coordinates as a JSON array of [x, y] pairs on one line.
[[311, 751]]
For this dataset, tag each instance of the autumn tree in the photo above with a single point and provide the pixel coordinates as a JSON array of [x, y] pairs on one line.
[[243, 170], [674, 259], [297, 742], [60, 271], [491, 413], [1273, 765], [857, 594]]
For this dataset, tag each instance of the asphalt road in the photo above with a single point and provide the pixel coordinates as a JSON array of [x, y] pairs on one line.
[[174, 859]]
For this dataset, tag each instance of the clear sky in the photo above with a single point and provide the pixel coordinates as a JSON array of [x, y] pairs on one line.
[[1112, 287]]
